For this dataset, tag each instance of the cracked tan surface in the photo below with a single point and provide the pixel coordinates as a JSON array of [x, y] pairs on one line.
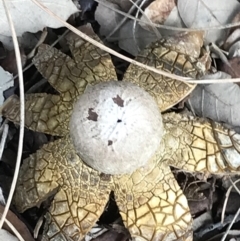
[[150, 201], [81, 192], [166, 91]]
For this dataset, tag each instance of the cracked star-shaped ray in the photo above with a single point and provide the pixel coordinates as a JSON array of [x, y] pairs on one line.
[[87, 56], [150, 201], [152, 204], [70, 77], [81, 193], [43, 113], [166, 91], [199, 145]]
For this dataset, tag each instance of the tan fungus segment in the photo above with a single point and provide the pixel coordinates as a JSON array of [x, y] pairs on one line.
[[150, 201], [81, 193], [43, 113], [166, 91], [152, 204], [180, 55], [200, 145], [70, 77]]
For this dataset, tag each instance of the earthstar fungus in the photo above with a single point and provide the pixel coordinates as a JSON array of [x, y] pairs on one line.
[[110, 126], [150, 201]]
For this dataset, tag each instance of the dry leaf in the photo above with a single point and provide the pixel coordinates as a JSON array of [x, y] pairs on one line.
[[158, 11], [173, 20], [125, 5], [232, 68], [5, 235], [132, 40], [107, 18], [9, 63], [219, 102], [189, 43], [205, 13], [6, 82], [29, 17], [234, 50]]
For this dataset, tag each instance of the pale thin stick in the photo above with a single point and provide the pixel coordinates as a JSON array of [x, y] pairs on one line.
[[40, 41], [227, 196], [119, 25], [105, 48], [231, 232], [212, 81], [230, 225], [21, 132], [225, 204], [234, 185], [139, 8], [216, 50], [37, 227], [135, 24], [17, 234]]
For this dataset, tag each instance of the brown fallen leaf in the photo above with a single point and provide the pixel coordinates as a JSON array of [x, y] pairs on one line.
[[9, 62], [18, 224], [158, 11], [189, 43], [232, 68]]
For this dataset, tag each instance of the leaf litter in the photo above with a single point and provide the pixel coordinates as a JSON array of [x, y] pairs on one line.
[[27, 17], [216, 101], [204, 13]]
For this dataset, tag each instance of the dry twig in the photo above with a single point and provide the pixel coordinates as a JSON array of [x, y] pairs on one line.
[[22, 111]]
